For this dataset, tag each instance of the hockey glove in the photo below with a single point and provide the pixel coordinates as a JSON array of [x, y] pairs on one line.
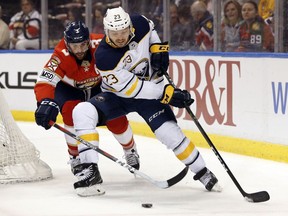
[[176, 97], [46, 111], [159, 57]]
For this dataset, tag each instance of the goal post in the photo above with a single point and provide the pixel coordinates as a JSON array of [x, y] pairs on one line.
[[19, 159]]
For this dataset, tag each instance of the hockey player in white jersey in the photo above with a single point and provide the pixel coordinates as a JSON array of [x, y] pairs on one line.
[[131, 60]]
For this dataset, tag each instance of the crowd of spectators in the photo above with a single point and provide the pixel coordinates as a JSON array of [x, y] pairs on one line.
[[246, 25]]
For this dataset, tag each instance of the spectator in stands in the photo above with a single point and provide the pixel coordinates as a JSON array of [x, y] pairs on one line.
[[74, 13], [182, 2], [188, 28], [255, 34], [99, 11], [4, 33], [204, 21], [230, 38], [175, 28], [20, 23], [209, 5], [155, 14]]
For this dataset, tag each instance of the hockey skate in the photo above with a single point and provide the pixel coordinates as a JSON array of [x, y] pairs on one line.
[[74, 161], [132, 158], [90, 180], [208, 179]]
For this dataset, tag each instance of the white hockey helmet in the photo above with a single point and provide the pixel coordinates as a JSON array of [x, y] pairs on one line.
[[116, 19]]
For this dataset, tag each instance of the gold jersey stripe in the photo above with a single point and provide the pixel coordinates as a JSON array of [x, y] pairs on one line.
[[132, 89]]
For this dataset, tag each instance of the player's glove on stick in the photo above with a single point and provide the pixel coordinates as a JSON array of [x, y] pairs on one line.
[[176, 97], [46, 111], [159, 57]]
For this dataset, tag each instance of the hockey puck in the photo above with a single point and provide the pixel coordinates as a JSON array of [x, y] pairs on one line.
[[147, 205]]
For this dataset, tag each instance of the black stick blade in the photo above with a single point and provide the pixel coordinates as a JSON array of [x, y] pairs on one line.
[[261, 196], [178, 177]]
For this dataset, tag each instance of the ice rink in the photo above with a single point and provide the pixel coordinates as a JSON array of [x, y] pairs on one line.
[[125, 193]]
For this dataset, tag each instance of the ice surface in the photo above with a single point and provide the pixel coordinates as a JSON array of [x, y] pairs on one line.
[[125, 193]]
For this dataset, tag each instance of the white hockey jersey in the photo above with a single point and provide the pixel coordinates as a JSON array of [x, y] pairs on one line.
[[127, 71], [22, 17]]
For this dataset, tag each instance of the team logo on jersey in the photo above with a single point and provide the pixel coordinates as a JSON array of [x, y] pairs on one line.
[[53, 63], [85, 64], [48, 75], [99, 98], [87, 83], [141, 69], [255, 27]]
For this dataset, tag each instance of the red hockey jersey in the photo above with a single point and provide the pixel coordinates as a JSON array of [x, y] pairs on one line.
[[62, 66]]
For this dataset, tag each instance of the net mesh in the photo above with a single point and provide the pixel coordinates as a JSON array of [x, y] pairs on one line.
[[19, 159]]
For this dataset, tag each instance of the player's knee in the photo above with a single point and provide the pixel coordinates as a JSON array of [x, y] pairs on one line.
[[118, 125], [85, 116], [67, 112], [171, 139]]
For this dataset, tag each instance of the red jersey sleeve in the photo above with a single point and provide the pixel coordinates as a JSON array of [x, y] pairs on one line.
[[62, 66]]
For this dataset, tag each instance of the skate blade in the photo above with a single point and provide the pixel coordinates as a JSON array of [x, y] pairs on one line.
[[217, 188], [94, 190]]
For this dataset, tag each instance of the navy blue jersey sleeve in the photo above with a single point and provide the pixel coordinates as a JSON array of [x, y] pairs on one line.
[[141, 24]]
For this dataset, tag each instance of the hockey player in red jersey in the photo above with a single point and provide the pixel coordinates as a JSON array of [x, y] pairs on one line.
[[68, 78], [133, 82]]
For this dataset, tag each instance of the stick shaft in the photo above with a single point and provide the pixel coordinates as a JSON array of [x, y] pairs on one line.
[[256, 197], [161, 184]]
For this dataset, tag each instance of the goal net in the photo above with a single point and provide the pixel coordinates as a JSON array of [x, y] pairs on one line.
[[19, 159]]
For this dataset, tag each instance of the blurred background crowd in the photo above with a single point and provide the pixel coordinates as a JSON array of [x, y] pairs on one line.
[[188, 25]]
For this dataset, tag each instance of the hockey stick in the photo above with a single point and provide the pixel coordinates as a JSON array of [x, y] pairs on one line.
[[261, 196], [161, 184]]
